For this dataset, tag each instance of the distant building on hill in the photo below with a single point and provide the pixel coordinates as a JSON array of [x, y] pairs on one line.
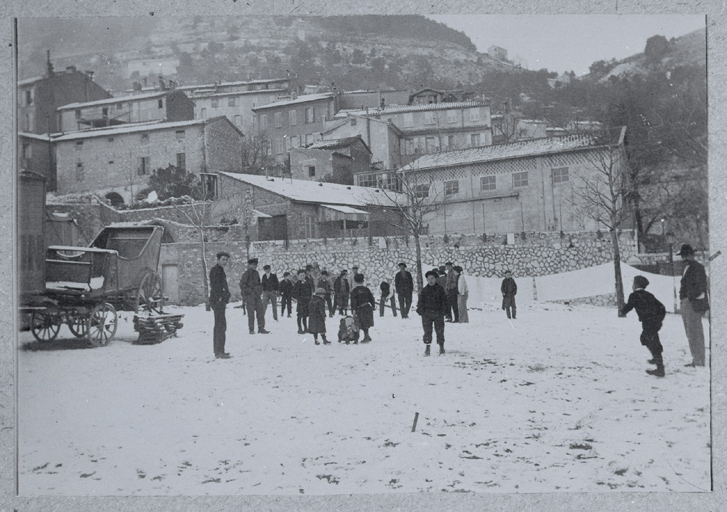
[[497, 53]]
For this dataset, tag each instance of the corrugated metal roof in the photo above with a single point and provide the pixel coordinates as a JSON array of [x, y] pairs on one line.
[[316, 192], [305, 98], [399, 109], [534, 147], [109, 101], [128, 128]]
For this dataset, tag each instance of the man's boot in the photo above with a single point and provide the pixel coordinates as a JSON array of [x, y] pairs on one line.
[[426, 351], [441, 349], [659, 372]]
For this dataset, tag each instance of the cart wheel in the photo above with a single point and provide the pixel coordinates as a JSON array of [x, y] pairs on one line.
[[102, 323], [78, 325], [45, 325], [150, 296]]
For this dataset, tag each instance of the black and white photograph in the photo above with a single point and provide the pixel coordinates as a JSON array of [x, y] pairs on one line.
[[305, 256]]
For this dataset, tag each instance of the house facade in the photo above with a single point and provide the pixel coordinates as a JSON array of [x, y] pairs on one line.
[[357, 100], [36, 154], [120, 159], [522, 186], [284, 209], [39, 97], [169, 105], [382, 137], [497, 52], [429, 96], [293, 123], [235, 105], [334, 160]]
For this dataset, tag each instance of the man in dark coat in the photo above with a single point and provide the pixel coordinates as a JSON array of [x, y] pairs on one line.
[[432, 306], [286, 294], [362, 306], [404, 285], [509, 290], [451, 289], [302, 294], [252, 289], [270, 291], [693, 297], [651, 314], [219, 296], [325, 283], [342, 291], [317, 316]]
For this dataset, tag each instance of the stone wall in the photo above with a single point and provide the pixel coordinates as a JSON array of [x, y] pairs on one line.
[[535, 255]]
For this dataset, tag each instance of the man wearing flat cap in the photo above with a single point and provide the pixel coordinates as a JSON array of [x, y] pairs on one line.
[[251, 288], [693, 297], [404, 285]]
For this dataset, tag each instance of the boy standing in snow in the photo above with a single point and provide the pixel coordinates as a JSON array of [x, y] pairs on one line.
[[302, 293], [286, 291], [509, 290], [317, 312], [432, 306], [362, 305], [651, 314], [325, 283], [219, 296]]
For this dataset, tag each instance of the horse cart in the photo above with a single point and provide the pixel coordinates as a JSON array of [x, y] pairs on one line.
[[86, 286]]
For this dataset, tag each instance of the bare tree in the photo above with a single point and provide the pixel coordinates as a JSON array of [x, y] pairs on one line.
[[413, 199], [601, 191]]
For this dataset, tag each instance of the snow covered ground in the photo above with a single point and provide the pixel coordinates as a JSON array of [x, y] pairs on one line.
[[556, 400]]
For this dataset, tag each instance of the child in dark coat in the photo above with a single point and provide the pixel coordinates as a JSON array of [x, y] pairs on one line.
[[362, 305], [317, 316], [286, 292], [302, 293], [509, 290], [651, 314], [432, 306]]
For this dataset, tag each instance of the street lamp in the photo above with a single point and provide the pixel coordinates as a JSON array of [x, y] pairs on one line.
[[670, 240]]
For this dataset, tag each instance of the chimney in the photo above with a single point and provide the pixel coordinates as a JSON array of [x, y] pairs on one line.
[[162, 85], [48, 65], [89, 74]]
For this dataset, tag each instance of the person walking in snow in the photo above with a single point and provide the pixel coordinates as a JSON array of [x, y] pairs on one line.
[[317, 316], [432, 305], [302, 294], [286, 293], [509, 290], [651, 314], [219, 296], [362, 306], [404, 285], [462, 293], [693, 297], [252, 289]]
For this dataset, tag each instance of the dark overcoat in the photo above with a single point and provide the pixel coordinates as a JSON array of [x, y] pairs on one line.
[[363, 304], [317, 315]]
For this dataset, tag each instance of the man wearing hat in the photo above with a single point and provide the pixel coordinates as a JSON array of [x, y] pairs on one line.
[[404, 285], [693, 297], [270, 291], [252, 289]]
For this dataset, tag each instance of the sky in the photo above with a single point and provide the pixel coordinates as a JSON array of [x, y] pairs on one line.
[[569, 42]]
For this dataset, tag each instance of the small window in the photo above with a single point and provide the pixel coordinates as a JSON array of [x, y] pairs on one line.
[[111, 139], [119, 106], [475, 140], [28, 97], [145, 138], [215, 102], [182, 161], [27, 150], [560, 174], [105, 112], [311, 171], [310, 116], [488, 183], [278, 119], [474, 114], [421, 191], [430, 144], [430, 117], [451, 188], [78, 113], [295, 141], [308, 139], [279, 146], [450, 142], [451, 116], [209, 185], [144, 164], [231, 101], [79, 145], [203, 113], [408, 120], [520, 179], [80, 173], [309, 226], [160, 103], [293, 117], [263, 122], [353, 121], [180, 135], [238, 121]]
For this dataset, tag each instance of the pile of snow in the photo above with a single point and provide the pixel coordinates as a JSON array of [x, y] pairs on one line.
[[554, 401]]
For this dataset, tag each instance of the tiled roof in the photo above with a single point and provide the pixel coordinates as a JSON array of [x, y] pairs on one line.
[[521, 149], [210, 93], [108, 101], [231, 84], [305, 98], [316, 192], [128, 128], [398, 109], [335, 143]]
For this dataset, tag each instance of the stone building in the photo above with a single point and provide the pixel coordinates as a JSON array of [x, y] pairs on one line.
[[39, 97], [430, 96], [528, 186], [335, 160], [286, 209], [120, 159], [293, 123], [167, 105], [360, 99], [383, 138], [497, 52]]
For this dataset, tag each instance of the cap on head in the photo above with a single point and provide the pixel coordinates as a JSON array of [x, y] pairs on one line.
[[641, 282], [266, 267], [458, 268], [449, 263], [686, 250], [402, 265], [359, 278], [252, 261], [324, 272], [507, 272], [286, 274]]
